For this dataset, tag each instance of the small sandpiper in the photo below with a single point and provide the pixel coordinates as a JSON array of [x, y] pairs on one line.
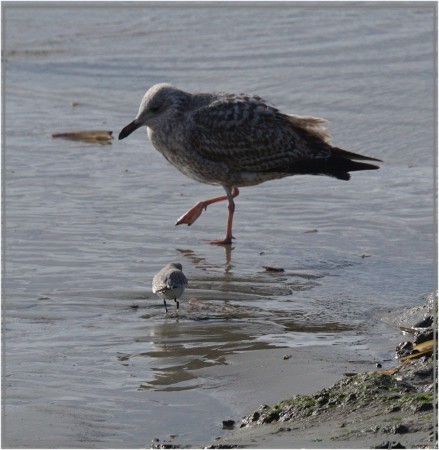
[[170, 283]]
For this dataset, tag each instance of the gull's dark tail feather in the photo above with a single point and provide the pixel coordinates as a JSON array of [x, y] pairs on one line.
[[338, 165], [344, 162], [351, 155]]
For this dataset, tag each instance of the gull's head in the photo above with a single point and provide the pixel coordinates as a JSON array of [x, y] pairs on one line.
[[160, 100]]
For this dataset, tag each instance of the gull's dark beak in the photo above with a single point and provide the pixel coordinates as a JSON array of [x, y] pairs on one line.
[[132, 126]]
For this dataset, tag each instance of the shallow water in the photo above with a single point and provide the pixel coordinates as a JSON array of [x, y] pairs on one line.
[[86, 226]]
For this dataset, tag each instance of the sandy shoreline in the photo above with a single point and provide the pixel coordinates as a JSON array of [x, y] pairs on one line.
[[264, 376], [365, 408], [251, 379], [372, 409], [376, 411]]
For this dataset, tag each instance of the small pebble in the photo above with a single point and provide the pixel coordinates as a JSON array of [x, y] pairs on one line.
[[287, 356], [228, 424], [273, 269], [426, 322], [388, 444], [400, 429]]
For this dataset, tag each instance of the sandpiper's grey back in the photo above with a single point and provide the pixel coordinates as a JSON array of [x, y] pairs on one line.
[[169, 283]]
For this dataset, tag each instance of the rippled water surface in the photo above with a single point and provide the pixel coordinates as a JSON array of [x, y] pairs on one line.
[[90, 359]]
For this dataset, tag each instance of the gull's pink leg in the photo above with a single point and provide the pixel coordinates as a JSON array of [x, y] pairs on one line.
[[190, 216], [228, 238]]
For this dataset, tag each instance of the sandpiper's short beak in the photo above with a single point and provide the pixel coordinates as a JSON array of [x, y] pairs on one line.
[[132, 126]]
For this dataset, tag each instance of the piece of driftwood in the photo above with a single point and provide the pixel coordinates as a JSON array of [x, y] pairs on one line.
[[101, 136]]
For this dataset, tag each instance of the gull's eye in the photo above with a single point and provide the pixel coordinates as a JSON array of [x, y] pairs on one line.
[[154, 109]]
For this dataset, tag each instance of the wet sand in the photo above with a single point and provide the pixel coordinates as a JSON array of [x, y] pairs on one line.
[[242, 375], [251, 379], [381, 408], [377, 411], [265, 377]]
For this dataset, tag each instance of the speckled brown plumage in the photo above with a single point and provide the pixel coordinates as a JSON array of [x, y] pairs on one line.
[[236, 140]]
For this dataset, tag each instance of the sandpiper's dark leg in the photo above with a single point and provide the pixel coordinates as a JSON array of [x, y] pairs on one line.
[[166, 308], [176, 301]]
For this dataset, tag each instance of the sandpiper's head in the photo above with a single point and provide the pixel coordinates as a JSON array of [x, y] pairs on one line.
[[176, 266], [159, 101]]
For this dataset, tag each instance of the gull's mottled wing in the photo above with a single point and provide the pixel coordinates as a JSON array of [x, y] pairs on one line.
[[250, 135]]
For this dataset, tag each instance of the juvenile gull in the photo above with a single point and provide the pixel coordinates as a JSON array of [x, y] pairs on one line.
[[169, 283], [236, 140]]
